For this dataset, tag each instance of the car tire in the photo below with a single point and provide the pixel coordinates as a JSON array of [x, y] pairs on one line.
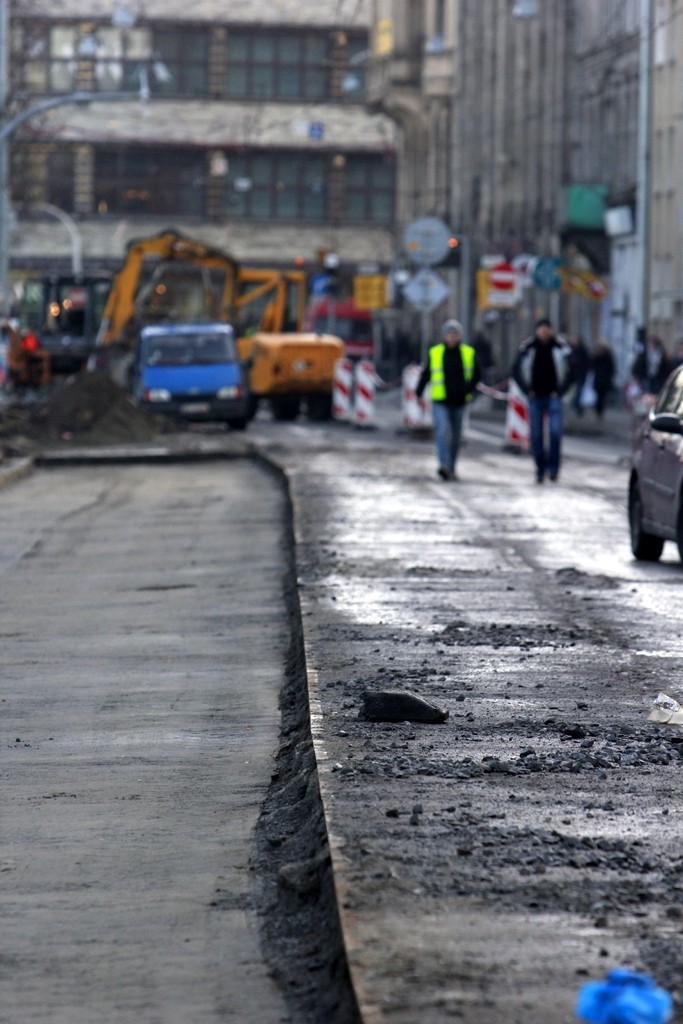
[[679, 529], [319, 408], [239, 423], [285, 408], [646, 547]]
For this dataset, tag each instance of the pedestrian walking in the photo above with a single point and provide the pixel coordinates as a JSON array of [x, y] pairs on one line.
[[602, 369], [676, 359], [453, 371], [651, 367], [484, 350], [543, 372], [578, 362]]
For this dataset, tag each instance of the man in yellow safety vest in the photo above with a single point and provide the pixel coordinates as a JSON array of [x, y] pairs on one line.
[[453, 372]]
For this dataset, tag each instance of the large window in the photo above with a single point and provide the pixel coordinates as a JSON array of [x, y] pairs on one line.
[[259, 185], [184, 62], [291, 65], [300, 186], [150, 180], [62, 58], [295, 65], [369, 189], [43, 173], [279, 186], [252, 63]]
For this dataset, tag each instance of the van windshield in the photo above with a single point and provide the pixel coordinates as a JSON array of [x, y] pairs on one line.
[[205, 347]]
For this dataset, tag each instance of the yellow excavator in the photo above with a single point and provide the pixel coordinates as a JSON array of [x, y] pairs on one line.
[[168, 278]]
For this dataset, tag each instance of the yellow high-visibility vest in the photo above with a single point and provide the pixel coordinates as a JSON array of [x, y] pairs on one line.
[[437, 381]]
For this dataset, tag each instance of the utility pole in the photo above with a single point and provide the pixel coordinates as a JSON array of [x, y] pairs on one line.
[[4, 160], [643, 166], [465, 315]]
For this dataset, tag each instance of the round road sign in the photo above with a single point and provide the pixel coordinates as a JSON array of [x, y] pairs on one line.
[[503, 277], [547, 274], [426, 241]]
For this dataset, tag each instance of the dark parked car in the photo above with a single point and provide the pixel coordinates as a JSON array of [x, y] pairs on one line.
[[655, 500]]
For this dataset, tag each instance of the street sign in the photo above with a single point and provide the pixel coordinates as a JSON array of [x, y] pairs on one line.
[[503, 277], [525, 264], [318, 284], [547, 274], [426, 241], [370, 291], [584, 282], [498, 290], [426, 290]]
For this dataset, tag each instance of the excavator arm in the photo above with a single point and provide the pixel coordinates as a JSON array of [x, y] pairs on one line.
[[286, 306], [166, 250]]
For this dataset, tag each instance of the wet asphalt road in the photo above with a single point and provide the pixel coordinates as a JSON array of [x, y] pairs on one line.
[[472, 886], [488, 867]]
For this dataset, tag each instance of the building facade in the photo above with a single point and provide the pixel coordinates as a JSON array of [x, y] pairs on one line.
[[245, 127], [665, 268], [601, 193], [519, 123]]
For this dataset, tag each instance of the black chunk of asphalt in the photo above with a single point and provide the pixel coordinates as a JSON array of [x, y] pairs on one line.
[[400, 706]]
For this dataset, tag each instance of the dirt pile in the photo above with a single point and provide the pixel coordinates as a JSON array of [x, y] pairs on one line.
[[87, 409]]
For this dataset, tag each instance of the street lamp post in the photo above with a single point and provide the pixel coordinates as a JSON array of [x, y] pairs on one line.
[[74, 234], [4, 157], [6, 131], [465, 315], [643, 173]]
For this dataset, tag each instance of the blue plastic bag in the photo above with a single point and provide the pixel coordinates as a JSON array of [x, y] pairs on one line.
[[624, 997]]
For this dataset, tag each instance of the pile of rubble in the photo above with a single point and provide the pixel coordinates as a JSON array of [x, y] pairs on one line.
[[87, 409]]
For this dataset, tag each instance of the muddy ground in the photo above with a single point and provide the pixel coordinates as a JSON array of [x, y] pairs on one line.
[[489, 866], [86, 408]]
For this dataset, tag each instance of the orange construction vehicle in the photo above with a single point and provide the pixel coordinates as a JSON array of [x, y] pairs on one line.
[[287, 365], [169, 278], [28, 365]]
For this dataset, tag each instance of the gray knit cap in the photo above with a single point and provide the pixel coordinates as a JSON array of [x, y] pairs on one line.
[[452, 325]]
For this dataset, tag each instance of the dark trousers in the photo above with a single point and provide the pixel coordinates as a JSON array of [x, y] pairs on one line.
[[544, 411]]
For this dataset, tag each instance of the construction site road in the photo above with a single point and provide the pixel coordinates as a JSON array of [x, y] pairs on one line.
[[144, 639], [486, 867], [489, 866]]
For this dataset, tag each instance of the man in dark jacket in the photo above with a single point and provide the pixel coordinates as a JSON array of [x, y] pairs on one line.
[[651, 367], [453, 372], [543, 372]]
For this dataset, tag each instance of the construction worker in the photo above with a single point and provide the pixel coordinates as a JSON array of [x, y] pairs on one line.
[[453, 372]]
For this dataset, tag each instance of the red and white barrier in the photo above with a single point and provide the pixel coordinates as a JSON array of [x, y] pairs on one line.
[[417, 413], [342, 390], [364, 393], [517, 428]]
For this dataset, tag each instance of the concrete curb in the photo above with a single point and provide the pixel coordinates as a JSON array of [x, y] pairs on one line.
[[144, 453], [368, 1013], [15, 469]]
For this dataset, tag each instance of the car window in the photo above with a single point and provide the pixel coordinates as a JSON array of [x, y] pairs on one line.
[[671, 395], [206, 348]]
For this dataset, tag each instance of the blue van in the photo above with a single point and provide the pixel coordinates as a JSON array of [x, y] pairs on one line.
[[192, 371]]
